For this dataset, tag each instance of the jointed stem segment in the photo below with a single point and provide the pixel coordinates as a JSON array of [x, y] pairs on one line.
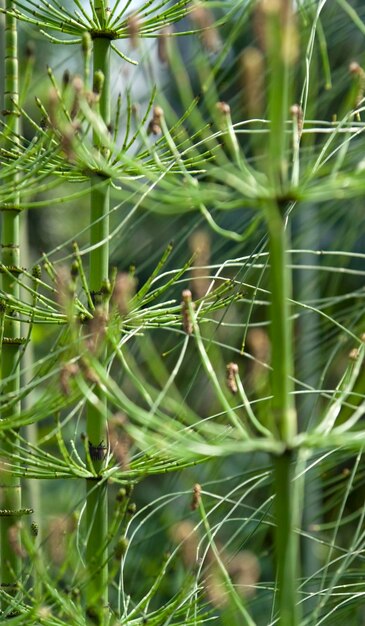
[[283, 419], [96, 418], [10, 493]]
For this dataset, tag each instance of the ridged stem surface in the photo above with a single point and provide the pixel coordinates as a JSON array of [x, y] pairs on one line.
[[282, 53], [97, 505], [10, 493]]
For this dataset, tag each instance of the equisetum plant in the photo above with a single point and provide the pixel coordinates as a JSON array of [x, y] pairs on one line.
[[216, 380], [10, 335]]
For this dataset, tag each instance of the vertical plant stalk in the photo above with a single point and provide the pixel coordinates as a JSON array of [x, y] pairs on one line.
[[286, 539], [10, 495], [283, 422], [282, 53], [96, 417], [283, 416]]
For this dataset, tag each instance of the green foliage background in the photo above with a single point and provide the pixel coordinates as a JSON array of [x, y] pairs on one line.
[[193, 207]]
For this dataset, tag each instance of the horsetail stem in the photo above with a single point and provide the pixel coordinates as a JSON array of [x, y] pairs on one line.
[[281, 43], [96, 417], [10, 493]]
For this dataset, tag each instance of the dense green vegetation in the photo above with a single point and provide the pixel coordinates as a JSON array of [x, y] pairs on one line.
[[182, 313]]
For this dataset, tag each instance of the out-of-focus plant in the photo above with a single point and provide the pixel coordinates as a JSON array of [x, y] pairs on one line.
[[113, 386]]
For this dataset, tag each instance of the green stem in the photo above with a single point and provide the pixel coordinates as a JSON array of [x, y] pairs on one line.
[[100, 195], [96, 417], [280, 31], [286, 540], [10, 495], [283, 421], [283, 415], [282, 52]]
